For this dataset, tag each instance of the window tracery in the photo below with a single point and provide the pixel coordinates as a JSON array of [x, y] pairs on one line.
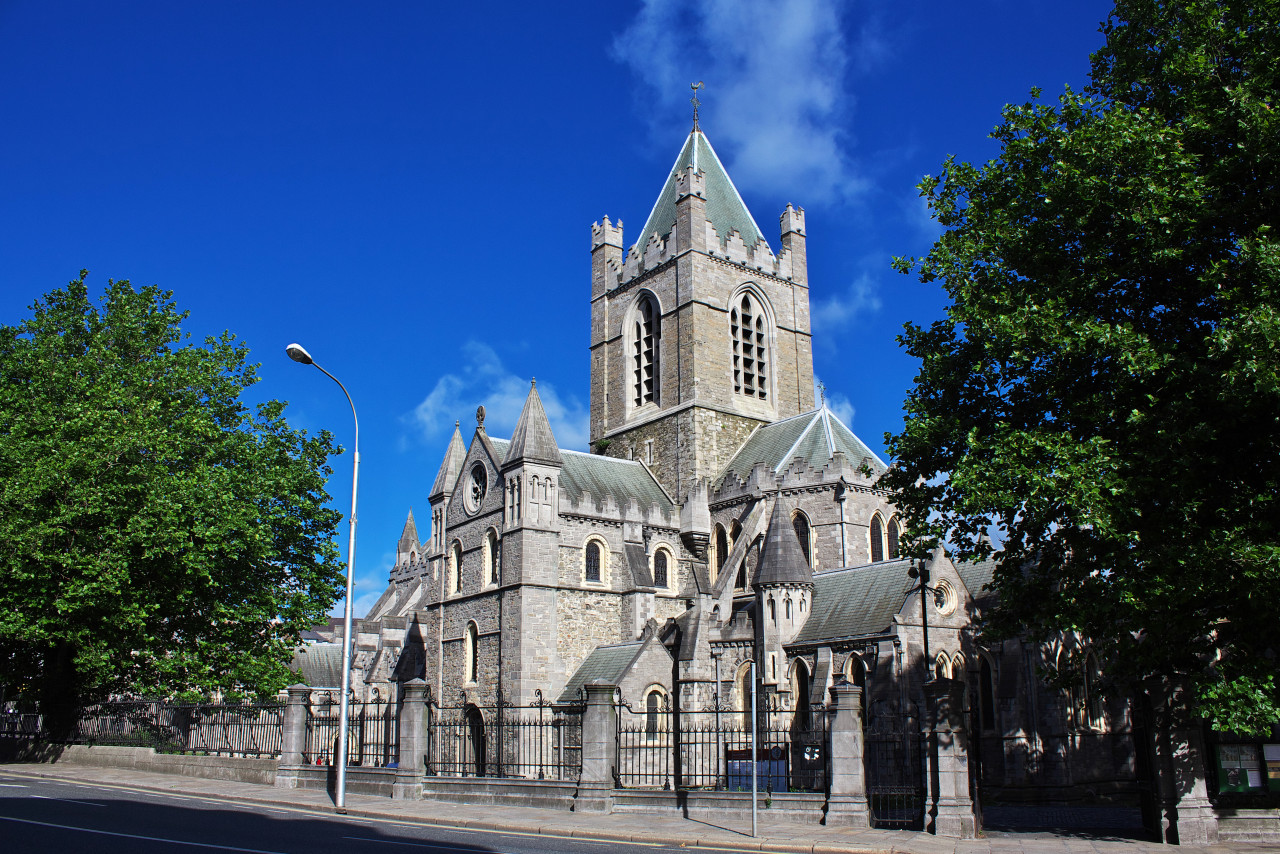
[[748, 327]]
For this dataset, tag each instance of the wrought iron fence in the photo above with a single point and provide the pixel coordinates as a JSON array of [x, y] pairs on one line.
[[539, 741], [248, 729], [894, 759], [373, 732], [660, 747]]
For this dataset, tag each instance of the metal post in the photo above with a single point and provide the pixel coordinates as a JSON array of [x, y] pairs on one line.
[[298, 354], [755, 786]]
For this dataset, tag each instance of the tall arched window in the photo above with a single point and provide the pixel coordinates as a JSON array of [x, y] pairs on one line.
[[877, 539], [788, 609], [660, 568], [986, 694], [748, 328], [800, 684], [491, 558], [593, 561], [1092, 694], [801, 523], [652, 705], [473, 653], [894, 530], [644, 352], [773, 612], [722, 551], [455, 567]]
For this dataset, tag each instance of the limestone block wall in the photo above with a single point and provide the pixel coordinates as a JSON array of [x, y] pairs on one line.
[[587, 619]]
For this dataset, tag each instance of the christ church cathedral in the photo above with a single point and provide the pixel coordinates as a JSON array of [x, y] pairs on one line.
[[719, 520]]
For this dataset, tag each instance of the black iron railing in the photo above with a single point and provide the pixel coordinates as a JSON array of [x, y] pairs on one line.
[[538, 741]]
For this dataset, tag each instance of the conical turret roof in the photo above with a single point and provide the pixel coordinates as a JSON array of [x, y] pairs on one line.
[[532, 439], [725, 208], [782, 561], [409, 536], [454, 456]]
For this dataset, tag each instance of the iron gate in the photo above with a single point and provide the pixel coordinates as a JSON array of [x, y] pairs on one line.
[[894, 760]]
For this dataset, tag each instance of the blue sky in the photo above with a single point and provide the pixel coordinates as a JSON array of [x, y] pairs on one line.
[[407, 188]]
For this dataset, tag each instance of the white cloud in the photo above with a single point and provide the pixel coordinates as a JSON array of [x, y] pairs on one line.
[[483, 379], [838, 403], [775, 97], [845, 308]]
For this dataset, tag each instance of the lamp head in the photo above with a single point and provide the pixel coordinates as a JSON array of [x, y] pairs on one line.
[[298, 353]]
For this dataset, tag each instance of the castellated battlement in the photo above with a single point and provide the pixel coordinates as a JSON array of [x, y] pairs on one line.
[[657, 251], [606, 234], [691, 183], [798, 476], [607, 508], [792, 220]]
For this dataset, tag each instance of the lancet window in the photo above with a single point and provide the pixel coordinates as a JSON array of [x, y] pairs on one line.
[[644, 352], [749, 330]]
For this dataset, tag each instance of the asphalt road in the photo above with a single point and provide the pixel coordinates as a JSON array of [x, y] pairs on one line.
[[81, 818]]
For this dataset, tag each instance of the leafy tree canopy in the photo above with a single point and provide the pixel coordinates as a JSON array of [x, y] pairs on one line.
[[1104, 390], [161, 538]]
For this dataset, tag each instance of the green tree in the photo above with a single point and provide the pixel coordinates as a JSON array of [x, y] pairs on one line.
[[160, 537], [1104, 390]]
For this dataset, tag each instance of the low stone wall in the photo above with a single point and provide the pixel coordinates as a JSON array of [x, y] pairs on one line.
[[261, 771], [1246, 825], [544, 794], [793, 807], [360, 781]]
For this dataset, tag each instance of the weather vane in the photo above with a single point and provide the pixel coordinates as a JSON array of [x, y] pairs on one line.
[[694, 100], [822, 390]]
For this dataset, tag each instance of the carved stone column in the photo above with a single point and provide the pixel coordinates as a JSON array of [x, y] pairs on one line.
[[599, 751], [294, 737], [413, 740], [847, 805], [950, 806]]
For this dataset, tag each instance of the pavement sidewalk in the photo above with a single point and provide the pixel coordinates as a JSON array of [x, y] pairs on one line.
[[654, 829]]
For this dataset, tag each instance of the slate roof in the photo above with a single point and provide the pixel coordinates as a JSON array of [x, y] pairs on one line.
[[606, 663], [975, 574], [454, 456], [598, 476], [532, 438], [639, 563], [725, 208], [782, 561], [319, 664], [812, 436], [857, 601]]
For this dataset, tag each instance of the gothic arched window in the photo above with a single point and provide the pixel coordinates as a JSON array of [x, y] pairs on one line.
[[455, 567], [801, 523], [473, 652], [593, 561], [748, 327], [652, 702], [877, 539], [660, 568], [644, 352], [722, 550], [986, 694], [894, 531], [491, 557]]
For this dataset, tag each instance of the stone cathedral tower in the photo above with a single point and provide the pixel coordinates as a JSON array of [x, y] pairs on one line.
[[699, 332]]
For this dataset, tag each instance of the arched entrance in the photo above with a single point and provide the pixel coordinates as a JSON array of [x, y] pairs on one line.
[[475, 740]]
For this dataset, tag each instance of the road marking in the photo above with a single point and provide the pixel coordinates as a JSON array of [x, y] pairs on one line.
[[136, 836], [436, 845], [12, 786], [66, 800]]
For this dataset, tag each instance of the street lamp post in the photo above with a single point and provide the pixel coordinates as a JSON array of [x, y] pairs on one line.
[[299, 354], [921, 571]]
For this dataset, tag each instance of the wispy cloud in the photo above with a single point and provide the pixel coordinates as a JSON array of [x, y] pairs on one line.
[[838, 403], [847, 307], [484, 379], [776, 101]]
